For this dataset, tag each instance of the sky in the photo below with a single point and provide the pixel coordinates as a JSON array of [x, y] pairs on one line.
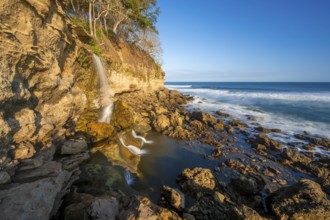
[[245, 40]]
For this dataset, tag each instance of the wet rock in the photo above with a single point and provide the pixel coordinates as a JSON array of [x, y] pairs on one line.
[[219, 197], [216, 152], [302, 200], [103, 208], [234, 164], [247, 185], [245, 212], [207, 206], [4, 177], [74, 147], [266, 130], [269, 143], [259, 147], [220, 126], [237, 123], [223, 114], [100, 130], [161, 123], [123, 116], [173, 197], [295, 156], [193, 180], [141, 208], [205, 118], [230, 129], [196, 124]]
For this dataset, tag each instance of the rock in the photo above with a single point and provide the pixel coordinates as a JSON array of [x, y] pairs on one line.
[[302, 200], [259, 147], [196, 124], [32, 200], [194, 180], [223, 114], [123, 116], [160, 110], [24, 151], [187, 216], [269, 143], [161, 123], [266, 130], [103, 209], [4, 177], [206, 206], [174, 197], [205, 118], [162, 95], [230, 129], [99, 130], [74, 147], [176, 119], [245, 212], [220, 126], [237, 123], [50, 169], [247, 185], [74, 161], [141, 208], [219, 197], [294, 155], [216, 152], [26, 119]]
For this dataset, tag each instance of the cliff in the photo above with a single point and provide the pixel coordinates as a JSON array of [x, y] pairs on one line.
[[47, 76]]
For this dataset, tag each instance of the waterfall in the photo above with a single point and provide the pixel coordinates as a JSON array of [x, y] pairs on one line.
[[104, 91], [134, 150], [128, 177], [141, 138]]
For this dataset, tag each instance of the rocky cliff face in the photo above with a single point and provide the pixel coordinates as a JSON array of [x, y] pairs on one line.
[[47, 75], [39, 95]]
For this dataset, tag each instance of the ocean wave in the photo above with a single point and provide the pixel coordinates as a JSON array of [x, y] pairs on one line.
[[289, 125], [215, 94], [178, 86]]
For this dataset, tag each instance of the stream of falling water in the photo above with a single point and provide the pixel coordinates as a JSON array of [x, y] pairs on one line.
[[104, 91]]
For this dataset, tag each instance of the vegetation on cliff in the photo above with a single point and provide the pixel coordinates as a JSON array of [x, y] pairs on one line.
[[131, 20]]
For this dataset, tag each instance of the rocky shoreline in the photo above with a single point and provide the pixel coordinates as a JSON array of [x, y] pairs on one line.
[[256, 177], [49, 130], [262, 168]]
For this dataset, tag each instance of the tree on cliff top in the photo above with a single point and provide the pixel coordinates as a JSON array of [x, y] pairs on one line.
[[132, 20]]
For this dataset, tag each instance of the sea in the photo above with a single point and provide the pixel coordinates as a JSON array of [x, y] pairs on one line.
[[292, 107]]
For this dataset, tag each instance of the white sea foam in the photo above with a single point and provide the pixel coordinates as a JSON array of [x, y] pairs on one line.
[[288, 125], [215, 94], [178, 86]]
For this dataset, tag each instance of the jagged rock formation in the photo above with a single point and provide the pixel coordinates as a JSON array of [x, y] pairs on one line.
[[39, 97]]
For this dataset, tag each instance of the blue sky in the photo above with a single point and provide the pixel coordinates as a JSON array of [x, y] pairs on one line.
[[245, 40]]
